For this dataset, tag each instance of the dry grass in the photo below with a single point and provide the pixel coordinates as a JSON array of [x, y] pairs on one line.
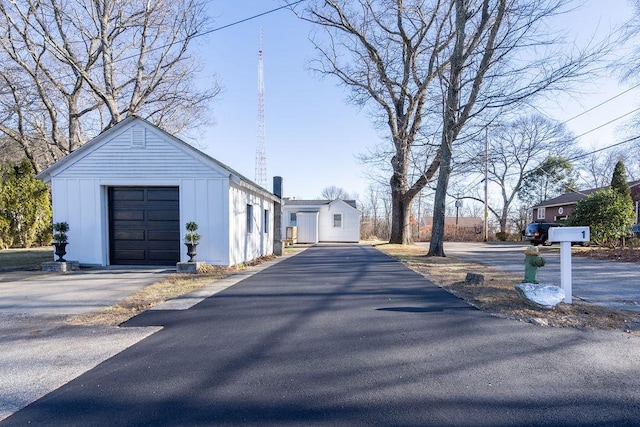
[[498, 296], [25, 259], [173, 286]]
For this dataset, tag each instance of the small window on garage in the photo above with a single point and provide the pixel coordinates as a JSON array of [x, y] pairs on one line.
[[293, 219], [249, 218], [337, 220], [541, 213], [266, 221]]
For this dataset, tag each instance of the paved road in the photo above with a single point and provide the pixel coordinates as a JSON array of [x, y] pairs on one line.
[[344, 335], [608, 283], [38, 352]]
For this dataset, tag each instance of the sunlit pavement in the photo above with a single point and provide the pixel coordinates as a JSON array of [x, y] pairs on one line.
[[345, 335]]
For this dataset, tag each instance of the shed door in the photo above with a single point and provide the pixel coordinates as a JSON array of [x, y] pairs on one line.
[[307, 227], [144, 225]]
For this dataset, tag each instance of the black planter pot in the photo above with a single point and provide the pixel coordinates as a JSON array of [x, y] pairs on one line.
[[61, 250], [191, 251]]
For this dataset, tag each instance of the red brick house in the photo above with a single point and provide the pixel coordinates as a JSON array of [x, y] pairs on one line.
[[559, 208]]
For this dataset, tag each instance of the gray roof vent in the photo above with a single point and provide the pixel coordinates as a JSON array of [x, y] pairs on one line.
[[138, 137]]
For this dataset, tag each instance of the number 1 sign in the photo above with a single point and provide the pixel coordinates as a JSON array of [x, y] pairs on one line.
[[567, 235]]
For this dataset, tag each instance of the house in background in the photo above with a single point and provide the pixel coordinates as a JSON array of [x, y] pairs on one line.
[[322, 220], [559, 208], [128, 193]]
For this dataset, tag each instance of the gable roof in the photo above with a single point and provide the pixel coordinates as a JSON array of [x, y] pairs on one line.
[[316, 202], [104, 136], [573, 197]]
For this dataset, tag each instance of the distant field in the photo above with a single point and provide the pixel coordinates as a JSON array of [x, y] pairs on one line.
[[27, 259]]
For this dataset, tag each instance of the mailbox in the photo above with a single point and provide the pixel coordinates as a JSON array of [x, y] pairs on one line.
[[569, 234], [566, 236]]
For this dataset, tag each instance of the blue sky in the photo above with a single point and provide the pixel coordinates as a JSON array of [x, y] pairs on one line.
[[313, 135]]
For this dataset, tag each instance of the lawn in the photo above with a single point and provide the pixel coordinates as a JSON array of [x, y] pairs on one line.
[[25, 259], [497, 294]]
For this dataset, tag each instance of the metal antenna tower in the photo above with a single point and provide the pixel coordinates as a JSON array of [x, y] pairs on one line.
[[261, 152]]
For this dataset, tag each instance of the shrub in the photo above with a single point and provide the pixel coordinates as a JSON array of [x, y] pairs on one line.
[[607, 214], [25, 207], [5, 234], [192, 237], [60, 232]]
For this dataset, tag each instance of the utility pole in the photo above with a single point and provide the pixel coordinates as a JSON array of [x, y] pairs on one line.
[[261, 151], [458, 206], [419, 212], [485, 234]]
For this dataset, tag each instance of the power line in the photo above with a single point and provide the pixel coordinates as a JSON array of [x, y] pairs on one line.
[[601, 104], [197, 35], [626, 141], [571, 159], [246, 19], [608, 123]]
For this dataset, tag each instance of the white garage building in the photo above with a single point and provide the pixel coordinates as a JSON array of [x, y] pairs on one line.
[[128, 193]]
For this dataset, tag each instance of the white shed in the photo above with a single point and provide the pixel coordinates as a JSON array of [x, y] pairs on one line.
[[128, 193], [322, 220]]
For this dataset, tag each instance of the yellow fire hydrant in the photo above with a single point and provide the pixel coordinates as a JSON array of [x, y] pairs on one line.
[[532, 261]]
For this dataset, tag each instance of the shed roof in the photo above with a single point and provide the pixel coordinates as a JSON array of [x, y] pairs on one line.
[[316, 202]]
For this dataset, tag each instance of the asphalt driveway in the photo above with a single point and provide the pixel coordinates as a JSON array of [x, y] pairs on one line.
[[345, 335], [38, 352]]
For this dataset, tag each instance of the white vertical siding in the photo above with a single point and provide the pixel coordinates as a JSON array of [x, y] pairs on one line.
[[245, 246], [77, 201], [83, 204], [202, 201], [308, 230]]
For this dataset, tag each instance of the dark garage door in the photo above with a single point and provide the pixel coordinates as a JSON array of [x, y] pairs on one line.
[[144, 225]]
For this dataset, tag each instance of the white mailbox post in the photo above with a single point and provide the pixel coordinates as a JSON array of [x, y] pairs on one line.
[[567, 235]]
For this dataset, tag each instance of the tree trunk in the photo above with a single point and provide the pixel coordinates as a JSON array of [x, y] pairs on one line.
[[503, 218], [400, 203], [436, 244], [401, 219], [449, 132]]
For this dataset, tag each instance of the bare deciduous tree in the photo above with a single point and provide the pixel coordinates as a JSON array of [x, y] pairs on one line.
[[333, 193], [87, 64], [598, 167], [488, 72], [516, 148], [432, 66], [551, 178], [376, 213], [386, 52]]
